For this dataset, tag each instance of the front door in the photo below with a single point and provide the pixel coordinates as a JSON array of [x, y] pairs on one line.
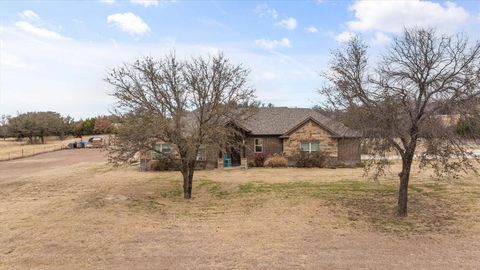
[[235, 156]]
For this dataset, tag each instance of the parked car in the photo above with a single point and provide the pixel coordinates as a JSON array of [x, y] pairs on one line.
[[95, 142]]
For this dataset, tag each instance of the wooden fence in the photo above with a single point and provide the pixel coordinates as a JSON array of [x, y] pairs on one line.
[[30, 151]]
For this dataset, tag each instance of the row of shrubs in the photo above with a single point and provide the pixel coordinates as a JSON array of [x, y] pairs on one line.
[[301, 160]]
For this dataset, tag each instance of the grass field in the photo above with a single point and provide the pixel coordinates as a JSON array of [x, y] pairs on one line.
[[12, 149], [69, 210]]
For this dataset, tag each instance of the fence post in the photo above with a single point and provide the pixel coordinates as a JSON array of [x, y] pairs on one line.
[[22, 152]]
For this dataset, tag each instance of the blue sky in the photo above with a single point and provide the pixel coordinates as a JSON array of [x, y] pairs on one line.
[[55, 54]]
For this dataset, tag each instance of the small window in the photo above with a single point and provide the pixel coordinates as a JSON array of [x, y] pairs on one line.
[[202, 153], [314, 146], [309, 147], [160, 148], [258, 145], [166, 148], [305, 146]]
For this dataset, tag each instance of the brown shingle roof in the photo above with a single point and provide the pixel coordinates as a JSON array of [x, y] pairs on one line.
[[281, 120]]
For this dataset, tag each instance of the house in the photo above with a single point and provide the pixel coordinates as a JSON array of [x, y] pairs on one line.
[[285, 131]]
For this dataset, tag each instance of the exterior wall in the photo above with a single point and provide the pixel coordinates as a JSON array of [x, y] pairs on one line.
[[310, 131], [271, 145], [343, 150], [212, 157], [147, 163], [349, 150]]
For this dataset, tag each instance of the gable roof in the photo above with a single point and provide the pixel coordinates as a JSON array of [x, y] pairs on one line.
[[282, 121]]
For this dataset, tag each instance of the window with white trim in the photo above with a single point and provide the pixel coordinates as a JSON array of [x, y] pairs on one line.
[[159, 149], [310, 146], [258, 145]]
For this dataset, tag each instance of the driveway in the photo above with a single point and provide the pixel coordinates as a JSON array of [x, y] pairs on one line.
[[28, 166]]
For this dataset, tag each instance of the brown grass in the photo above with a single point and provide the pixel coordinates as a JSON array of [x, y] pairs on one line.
[[12, 149], [90, 215]]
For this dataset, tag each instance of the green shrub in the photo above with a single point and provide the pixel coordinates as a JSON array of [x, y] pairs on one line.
[[276, 161]]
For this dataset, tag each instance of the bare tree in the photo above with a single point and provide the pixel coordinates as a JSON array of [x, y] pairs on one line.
[[397, 103], [187, 103], [4, 128]]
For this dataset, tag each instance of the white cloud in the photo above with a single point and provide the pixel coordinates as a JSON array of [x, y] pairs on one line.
[[41, 32], [311, 29], [273, 44], [263, 10], [344, 36], [129, 22], [393, 16], [288, 23], [29, 15], [110, 2], [381, 39], [81, 65], [145, 3]]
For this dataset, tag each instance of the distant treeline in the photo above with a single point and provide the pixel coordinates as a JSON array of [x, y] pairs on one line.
[[37, 125]]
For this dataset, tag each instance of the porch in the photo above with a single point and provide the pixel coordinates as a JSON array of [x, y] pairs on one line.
[[232, 158]]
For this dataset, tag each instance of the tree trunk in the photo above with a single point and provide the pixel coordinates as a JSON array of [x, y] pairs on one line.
[[188, 181], [407, 160]]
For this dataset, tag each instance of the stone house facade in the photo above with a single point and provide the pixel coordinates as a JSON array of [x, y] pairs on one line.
[[287, 131]]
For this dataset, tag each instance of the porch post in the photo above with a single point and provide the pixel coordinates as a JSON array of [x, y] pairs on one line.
[[243, 163], [243, 159], [220, 163]]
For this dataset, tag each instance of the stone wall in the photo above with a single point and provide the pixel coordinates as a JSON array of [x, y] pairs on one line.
[[310, 131]]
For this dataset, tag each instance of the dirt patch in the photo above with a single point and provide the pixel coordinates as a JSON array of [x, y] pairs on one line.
[[85, 214], [60, 159]]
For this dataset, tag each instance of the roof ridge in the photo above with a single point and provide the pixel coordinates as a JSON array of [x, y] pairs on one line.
[[280, 120]]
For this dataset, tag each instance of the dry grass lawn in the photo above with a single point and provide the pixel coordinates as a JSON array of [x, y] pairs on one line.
[[69, 210], [12, 149]]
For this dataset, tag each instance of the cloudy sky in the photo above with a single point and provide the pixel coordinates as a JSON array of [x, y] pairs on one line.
[[54, 55]]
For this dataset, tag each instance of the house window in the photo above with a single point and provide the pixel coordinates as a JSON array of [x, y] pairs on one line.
[[160, 148], [258, 145], [309, 147], [202, 153]]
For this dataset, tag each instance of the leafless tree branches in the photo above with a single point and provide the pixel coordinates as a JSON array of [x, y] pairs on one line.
[[187, 103], [397, 102]]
